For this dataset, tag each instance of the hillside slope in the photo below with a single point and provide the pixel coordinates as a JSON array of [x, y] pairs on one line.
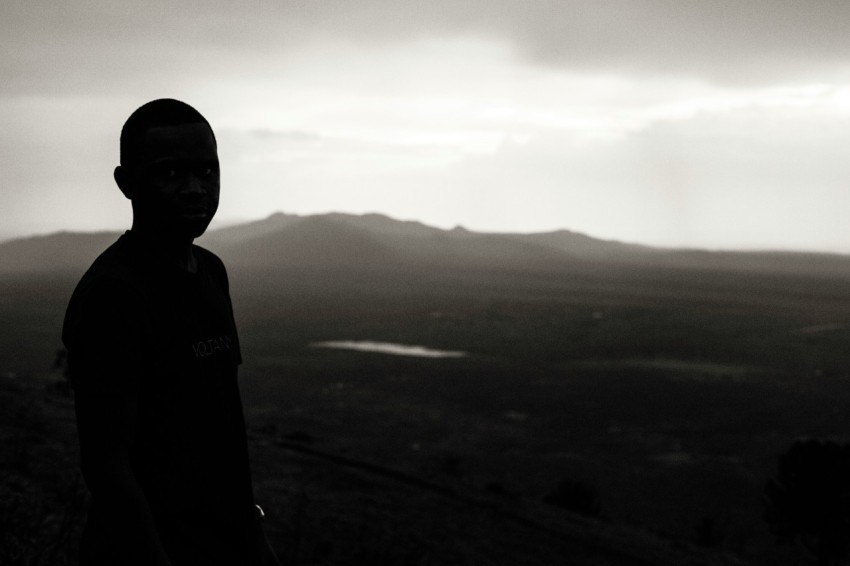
[[374, 241]]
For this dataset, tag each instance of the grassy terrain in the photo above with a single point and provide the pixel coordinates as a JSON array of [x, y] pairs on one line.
[[42, 495], [666, 395]]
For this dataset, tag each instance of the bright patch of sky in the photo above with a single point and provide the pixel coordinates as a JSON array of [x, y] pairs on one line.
[[560, 116], [517, 148]]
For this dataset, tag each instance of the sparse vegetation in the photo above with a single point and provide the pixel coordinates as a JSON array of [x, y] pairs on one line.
[[576, 496], [809, 499], [42, 503], [671, 389]]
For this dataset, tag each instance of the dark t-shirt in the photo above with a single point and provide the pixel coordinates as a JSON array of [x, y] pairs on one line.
[[137, 325]]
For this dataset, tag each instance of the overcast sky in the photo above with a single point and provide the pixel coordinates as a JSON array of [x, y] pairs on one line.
[[676, 123]]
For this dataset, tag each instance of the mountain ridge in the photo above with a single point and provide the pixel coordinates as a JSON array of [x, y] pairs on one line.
[[376, 241]]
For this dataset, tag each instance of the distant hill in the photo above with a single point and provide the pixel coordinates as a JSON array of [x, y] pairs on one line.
[[61, 252], [242, 232], [313, 241], [374, 241]]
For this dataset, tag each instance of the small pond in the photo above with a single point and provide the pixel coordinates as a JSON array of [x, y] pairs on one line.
[[388, 348]]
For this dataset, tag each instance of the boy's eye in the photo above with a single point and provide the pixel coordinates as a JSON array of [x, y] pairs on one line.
[[166, 172]]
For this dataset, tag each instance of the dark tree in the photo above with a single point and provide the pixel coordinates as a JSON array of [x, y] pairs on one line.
[[809, 499], [576, 496]]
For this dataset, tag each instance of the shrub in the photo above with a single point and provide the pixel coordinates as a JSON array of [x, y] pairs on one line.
[[809, 499], [576, 496]]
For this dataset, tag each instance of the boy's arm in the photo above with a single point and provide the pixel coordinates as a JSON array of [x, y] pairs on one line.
[[265, 552], [106, 426], [106, 353]]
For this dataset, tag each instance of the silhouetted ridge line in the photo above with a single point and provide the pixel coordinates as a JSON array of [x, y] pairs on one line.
[[338, 241]]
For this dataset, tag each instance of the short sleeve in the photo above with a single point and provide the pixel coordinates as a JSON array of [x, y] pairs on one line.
[[106, 340]]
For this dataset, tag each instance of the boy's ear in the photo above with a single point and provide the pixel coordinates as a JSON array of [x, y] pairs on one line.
[[124, 182]]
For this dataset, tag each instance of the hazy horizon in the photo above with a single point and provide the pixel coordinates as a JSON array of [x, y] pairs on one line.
[[715, 125], [227, 222]]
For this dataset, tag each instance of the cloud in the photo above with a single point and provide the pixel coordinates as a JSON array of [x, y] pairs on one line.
[[69, 47], [772, 178], [690, 123], [723, 41]]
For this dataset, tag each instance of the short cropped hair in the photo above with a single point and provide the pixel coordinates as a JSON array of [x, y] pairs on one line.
[[163, 112]]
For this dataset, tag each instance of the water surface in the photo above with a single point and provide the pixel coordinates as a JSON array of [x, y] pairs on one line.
[[388, 348]]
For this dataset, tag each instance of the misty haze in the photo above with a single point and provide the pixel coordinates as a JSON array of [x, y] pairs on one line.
[[559, 399]]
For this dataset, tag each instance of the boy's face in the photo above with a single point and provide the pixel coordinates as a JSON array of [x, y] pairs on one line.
[[177, 180]]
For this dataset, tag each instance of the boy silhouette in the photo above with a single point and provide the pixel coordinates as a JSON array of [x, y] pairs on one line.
[[153, 354]]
